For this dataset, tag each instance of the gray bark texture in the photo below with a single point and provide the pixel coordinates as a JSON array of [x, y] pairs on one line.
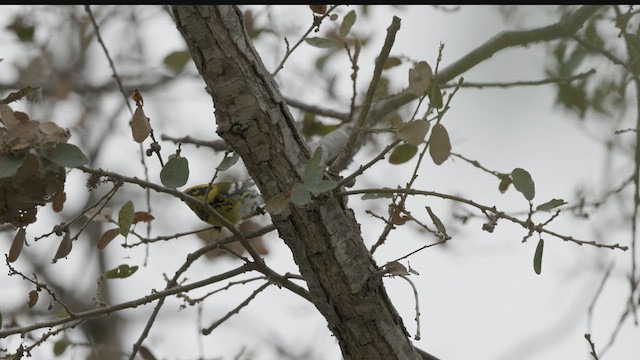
[[323, 236]]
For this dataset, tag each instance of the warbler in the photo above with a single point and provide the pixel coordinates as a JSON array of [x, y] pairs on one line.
[[232, 200]]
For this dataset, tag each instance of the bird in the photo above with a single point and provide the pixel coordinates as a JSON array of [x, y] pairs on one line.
[[233, 200]]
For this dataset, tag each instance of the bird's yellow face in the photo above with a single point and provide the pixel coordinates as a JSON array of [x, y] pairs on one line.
[[219, 199]]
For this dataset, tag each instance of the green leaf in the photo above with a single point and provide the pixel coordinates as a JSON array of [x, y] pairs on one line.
[[10, 164], [175, 172], [523, 182], [369, 196], [550, 205], [314, 170], [121, 272], [435, 95], [321, 42], [177, 60], [436, 221], [537, 257], [17, 95], [228, 162], [300, 194], [60, 346], [402, 153], [125, 218], [634, 41], [67, 155], [24, 32], [414, 132], [347, 23], [323, 186], [439, 144]]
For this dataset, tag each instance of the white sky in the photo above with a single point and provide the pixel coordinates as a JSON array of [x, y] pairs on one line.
[[479, 297]]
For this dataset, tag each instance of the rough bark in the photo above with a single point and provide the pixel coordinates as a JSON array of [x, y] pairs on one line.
[[323, 236]]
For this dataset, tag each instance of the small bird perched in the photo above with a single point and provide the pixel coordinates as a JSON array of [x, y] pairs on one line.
[[232, 200]]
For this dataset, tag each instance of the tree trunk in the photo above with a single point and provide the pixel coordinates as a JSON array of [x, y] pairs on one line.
[[323, 236]]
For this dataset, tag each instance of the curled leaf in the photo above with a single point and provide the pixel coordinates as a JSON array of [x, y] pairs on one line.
[[537, 257], [140, 127]]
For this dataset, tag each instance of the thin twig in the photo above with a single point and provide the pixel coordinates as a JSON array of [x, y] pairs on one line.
[[347, 152], [208, 330], [551, 80], [316, 24], [95, 313], [484, 208], [592, 345]]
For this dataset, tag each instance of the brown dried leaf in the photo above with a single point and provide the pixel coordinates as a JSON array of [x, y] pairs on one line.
[[137, 97], [33, 298], [146, 354], [420, 78], [64, 249], [143, 216], [439, 144], [7, 116], [318, 9], [58, 201], [17, 245], [395, 268], [21, 116], [414, 132], [106, 238], [140, 126], [396, 121], [397, 218]]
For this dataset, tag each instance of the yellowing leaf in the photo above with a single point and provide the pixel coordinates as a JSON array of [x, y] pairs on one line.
[[140, 127], [177, 60], [420, 78], [414, 132], [392, 61], [439, 144], [125, 218], [435, 95]]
